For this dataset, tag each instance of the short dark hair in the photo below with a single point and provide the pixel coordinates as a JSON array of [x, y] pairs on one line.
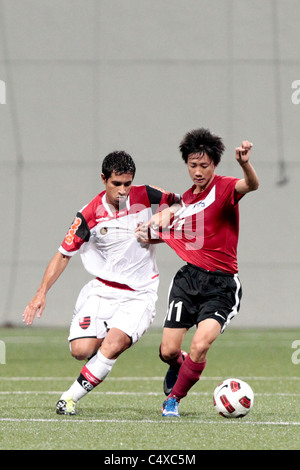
[[202, 141], [118, 161]]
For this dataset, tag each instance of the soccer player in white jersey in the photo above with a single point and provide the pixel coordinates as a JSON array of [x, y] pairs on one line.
[[117, 306], [206, 292]]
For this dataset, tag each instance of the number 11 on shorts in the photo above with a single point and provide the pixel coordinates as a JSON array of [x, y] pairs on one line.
[[178, 307]]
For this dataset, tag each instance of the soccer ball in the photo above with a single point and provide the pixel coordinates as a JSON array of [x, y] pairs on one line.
[[233, 398]]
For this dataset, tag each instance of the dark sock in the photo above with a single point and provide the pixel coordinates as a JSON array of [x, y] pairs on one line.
[[189, 374]]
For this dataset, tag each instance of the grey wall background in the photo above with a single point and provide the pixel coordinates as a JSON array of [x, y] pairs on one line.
[[84, 77]]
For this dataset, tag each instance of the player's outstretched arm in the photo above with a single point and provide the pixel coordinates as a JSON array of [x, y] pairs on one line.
[[163, 219], [250, 181], [54, 269], [159, 221]]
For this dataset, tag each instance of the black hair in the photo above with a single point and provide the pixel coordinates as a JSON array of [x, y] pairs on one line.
[[202, 141], [118, 161]]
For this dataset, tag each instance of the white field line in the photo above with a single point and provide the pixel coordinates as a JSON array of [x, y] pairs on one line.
[[95, 392], [146, 421], [140, 379], [154, 394]]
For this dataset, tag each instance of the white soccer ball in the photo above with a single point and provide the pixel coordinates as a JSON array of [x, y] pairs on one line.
[[233, 398]]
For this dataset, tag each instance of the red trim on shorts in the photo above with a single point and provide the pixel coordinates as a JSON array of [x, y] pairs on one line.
[[116, 285]]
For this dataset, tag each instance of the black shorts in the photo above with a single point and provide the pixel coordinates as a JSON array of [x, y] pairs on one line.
[[197, 294]]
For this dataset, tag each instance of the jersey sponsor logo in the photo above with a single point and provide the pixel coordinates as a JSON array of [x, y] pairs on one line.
[[71, 233]]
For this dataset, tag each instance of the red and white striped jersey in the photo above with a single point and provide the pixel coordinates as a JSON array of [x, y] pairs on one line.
[[205, 231], [107, 243]]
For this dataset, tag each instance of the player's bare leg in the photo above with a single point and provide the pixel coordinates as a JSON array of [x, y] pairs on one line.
[[193, 366], [171, 353], [114, 343], [171, 343], [85, 348], [207, 332], [95, 370]]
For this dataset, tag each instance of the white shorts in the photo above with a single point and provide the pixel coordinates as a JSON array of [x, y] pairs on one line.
[[100, 307]]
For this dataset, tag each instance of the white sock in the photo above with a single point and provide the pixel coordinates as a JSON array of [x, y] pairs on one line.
[[92, 374]]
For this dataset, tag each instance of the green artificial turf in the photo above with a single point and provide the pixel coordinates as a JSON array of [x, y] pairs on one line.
[[124, 412]]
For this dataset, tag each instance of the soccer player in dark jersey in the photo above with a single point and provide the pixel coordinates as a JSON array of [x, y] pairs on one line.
[[117, 306], [206, 292]]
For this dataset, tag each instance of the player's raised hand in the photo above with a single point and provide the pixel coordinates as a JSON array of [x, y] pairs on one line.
[[242, 153]]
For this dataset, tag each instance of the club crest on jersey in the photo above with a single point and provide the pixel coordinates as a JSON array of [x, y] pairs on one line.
[[103, 230], [84, 322]]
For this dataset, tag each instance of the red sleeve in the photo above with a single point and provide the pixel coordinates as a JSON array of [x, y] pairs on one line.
[[230, 195]]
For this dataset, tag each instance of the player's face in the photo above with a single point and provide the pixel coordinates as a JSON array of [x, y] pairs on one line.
[[201, 169], [117, 189]]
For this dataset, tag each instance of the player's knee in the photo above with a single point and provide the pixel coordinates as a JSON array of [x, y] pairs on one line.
[[114, 345], [80, 352], [199, 349], [84, 348], [79, 355], [167, 352]]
